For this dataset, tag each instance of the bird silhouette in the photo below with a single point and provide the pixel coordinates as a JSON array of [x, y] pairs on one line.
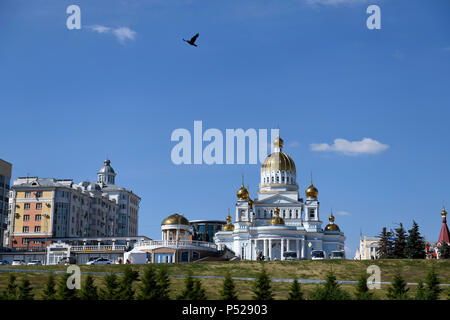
[[192, 41]]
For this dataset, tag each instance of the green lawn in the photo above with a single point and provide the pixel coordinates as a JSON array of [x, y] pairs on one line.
[[411, 270]]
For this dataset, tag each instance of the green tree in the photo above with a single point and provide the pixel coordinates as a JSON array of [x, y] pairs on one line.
[[398, 250], [415, 244], [163, 284], [295, 291], [188, 290], [88, 289], [397, 290], [362, 291], [10, 292], [330, 290], [199, 292], [148, 290], [420, 292], [125, 290], [63, 292], [110, 290], [384, 244], [262, 289], [49, 292], [432, 289], [228, 291], [25, 291], [444, 250]]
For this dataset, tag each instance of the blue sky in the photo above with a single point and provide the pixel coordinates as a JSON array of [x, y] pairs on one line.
[[71, 98]]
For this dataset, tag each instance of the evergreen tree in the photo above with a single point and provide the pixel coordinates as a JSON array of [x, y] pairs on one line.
[[432, 289], [420, 292], [228, 291], [110, 290], [362, 291], [187, 293], [88, 289], [10, 292], [262, 289], [63, 292], [331, 290], [163, 284], [25, 290], [398, 251], [295, 292], [385, 244], [148, 290], [415, 244], [199, 292], [49, 292], [444, 250], [125, 290], [397, 290]]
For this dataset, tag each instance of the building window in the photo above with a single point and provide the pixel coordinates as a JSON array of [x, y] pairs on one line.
[[24, 240], [26, 217], [39, 194], [37, 217], [37, 229], [27, 206], [25, 229], [27, 194], [38, 206]]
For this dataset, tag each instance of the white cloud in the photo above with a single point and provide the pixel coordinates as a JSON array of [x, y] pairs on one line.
[[343, 213], [351, 148], [122, 34], [100, 29]]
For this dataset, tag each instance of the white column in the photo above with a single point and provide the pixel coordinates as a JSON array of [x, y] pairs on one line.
[[282, 249], [288, 246], [303, 249], [270, 249], [297, 247], [265, 248]]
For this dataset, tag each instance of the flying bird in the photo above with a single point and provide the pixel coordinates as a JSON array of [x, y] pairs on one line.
[[192, 41]]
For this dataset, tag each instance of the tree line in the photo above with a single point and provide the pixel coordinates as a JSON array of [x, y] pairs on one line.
[[399, 244], [155, 285]]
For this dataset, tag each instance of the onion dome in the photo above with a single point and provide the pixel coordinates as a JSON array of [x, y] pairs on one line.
[[312, 192], [242, 193], [175, 219], [443, 212], [332, 226], [276, 219], [229, 226], [278, 160], [106, 167]]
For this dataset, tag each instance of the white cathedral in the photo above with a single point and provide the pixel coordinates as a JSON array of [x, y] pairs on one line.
[[278, 224]]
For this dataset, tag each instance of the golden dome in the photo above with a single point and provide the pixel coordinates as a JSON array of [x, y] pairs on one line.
[[312, 192], [332, 226], [443, 212], [175, 219], [229, 226], [242, 193], [276, 219], [278, 161]]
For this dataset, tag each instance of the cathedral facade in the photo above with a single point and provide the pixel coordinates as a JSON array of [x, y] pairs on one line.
[[278, 224]]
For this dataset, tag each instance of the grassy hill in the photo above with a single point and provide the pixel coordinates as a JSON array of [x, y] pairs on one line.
[[411, 270]]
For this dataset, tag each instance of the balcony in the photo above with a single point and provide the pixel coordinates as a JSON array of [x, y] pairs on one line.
[[96, 248], [182, 244]]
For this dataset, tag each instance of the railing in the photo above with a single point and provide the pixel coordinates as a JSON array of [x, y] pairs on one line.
[[173, 243], [98, 248]]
